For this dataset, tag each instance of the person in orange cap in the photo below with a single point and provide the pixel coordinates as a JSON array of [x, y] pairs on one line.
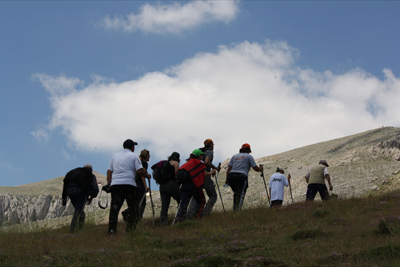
[[237, 174]]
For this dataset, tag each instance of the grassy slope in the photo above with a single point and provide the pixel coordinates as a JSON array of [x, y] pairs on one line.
[[337, 233]]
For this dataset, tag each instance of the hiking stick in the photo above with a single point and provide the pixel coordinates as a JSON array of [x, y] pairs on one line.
[[290, 188], [176, 214], [151, 200], [262, 175], [141, 201], [216, 181], [242, 195]]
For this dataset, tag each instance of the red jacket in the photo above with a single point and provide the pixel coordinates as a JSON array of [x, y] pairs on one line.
[[197, 170]]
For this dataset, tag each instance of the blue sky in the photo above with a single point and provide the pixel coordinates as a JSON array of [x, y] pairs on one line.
[[78, 78]]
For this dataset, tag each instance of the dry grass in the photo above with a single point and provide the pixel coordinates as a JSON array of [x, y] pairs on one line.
[[352, 232]]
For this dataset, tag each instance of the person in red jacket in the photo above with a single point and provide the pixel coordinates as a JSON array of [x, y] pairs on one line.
[[195, 170]]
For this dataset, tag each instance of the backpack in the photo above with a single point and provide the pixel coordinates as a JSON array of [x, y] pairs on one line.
[[78, 181], [163, 172], [183, 176]]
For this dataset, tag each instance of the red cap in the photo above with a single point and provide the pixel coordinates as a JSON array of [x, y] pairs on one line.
[[246, 145], [208, 141]]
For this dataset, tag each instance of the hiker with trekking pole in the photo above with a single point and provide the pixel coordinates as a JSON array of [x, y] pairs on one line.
[[276, 187], [237, 174], [209, 185], [191, 176]]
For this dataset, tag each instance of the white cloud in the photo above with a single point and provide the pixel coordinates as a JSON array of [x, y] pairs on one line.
[[174, 17], [247, 92]]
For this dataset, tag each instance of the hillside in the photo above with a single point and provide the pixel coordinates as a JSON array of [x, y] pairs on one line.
[[360, 165]]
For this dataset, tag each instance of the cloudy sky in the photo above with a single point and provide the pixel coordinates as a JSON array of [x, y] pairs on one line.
[[78, 78]]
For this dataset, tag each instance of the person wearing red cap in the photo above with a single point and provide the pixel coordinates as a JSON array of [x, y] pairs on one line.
[[237, 174]]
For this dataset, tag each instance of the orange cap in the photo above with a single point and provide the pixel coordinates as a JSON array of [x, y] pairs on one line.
[[246, 145], [208, 141]]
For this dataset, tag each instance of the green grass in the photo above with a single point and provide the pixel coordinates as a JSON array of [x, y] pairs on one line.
[[352, 232]]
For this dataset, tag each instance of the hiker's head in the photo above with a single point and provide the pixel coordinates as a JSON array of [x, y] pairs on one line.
[[245, 148], [144, 155], [323, 162], [129, 144], [280, 169], [88, 166], [174, 156], [197, 154], [209, 144]]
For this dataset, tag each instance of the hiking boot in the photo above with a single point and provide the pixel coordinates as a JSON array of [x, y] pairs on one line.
[[125, 215]]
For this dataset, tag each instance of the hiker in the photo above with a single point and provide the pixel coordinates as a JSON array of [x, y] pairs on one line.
[[192, 175], [276, 187], [80, 185], [209, 185], [237, 172], [141, 187], [170, 188], [316, 181], [123, 168]]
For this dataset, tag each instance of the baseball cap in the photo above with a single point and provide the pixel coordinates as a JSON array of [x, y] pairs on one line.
[[129, 143], [322, 161], [208, 141], [197, 152], [246, 145]]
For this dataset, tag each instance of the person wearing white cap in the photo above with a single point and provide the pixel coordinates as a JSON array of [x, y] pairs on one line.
[[276, 186], [316, 181]]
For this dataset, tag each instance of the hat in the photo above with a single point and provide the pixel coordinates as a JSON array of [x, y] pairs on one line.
[[246, 145], [197, 152], [323, 162], [279, 169], [129, 143], [208, 141]]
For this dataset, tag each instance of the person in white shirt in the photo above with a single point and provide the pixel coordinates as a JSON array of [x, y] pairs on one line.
[[121, 180], [276, 186]]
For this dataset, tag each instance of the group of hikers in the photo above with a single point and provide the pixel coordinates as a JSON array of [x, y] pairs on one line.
[[127, 174]]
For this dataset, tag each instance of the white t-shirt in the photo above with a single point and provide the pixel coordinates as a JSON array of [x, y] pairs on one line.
[[242, 162], [124, 166], [276, 183]]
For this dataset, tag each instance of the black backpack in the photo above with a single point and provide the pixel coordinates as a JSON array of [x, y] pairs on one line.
[[163, 172], [78, 181], [183, 176]]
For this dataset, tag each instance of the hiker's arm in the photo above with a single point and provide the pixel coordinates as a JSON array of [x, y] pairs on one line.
[[109, 175], [209, 164], [328, 178], [143, 172], [227, 173], [146, 188], [212, 172], [258, 169], [175, 164], [307, 176]]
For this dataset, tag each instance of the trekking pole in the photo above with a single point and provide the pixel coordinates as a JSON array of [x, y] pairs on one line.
[[290, 188], [262, 175], [141, 201], [242, 195], [151, 200], [219, 191], [176, 214]]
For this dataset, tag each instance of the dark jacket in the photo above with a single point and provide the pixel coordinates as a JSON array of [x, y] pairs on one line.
[[81, 178]]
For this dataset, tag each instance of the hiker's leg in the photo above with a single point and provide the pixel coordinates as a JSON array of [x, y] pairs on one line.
[[200, 199], [165, 201], [276, 203], [79, 203], [140, 192], [311, 192], [192, 207], [236, 182], [133, 207], [323, 192], [209, 186], [81, 220], [186, 195], [117, 199]]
